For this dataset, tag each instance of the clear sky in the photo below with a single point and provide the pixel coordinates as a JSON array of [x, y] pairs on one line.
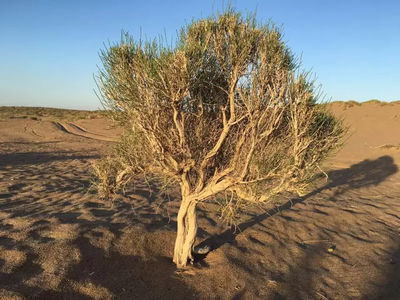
[[49, 48]]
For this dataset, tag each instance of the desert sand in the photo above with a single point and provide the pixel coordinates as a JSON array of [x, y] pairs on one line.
[[58, 240]]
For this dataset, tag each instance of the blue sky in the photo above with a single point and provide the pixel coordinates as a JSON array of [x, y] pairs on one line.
[[49, 49]]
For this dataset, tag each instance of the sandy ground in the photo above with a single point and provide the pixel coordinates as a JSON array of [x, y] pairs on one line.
[[59, 241]]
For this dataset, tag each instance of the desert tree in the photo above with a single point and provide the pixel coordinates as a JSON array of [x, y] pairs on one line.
[[224, 113]]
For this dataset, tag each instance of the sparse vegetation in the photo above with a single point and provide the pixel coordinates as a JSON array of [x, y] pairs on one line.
[[378, 102], [352, 103], [388, 146], [36, 113], [373, 101], [225, 112], [347, 104]]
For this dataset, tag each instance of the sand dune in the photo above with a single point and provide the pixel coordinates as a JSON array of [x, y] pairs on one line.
[[59, 241], [49, 130], [80, 131]]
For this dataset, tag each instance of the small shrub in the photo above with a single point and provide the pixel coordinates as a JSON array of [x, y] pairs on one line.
[[352, 103]]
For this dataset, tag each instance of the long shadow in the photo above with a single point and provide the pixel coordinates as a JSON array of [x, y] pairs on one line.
[[363, 174], [124, 276], [128, 276], [309, 277], [139, 276], [143, 197], [105, 274], [29, 143], [33, 158]]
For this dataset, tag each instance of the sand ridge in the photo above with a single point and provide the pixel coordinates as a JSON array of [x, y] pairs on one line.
[[74, 129], [46, 130]]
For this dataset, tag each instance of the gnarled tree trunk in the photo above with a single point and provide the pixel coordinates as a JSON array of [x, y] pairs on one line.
[[187, 230]]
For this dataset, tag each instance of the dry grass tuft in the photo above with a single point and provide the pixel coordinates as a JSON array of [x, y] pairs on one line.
[[353, 103]]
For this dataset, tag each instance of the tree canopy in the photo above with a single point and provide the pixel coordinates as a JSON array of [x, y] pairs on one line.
[[226, 110]]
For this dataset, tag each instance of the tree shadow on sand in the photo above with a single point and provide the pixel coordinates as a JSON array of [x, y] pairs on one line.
[[34, 158], [102, 274], [124, 276], [309, 277], [392, 289], [363, 174], [60, 180]]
